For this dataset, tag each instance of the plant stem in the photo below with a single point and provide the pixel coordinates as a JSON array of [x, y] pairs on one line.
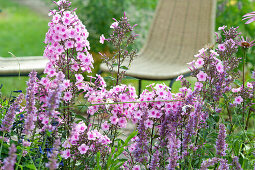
[[117, 81], [244, 56], [19, 159], [2, 142]]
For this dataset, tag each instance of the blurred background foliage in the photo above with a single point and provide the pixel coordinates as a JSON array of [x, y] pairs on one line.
[[22, 30]]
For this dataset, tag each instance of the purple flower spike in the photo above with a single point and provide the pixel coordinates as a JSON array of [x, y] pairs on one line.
[[221, 145], [9, 162], [10, 115]]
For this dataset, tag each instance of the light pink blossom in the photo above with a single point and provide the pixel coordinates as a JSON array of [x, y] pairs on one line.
[[102, 39], [66, 153], [201, 76], [83, 148], [238, 100]]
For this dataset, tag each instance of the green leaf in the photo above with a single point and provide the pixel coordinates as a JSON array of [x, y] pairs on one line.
[[238, 82], [133, 134], [30, 166], [115, 65], [80, 117], [124, 67], [98, 167]]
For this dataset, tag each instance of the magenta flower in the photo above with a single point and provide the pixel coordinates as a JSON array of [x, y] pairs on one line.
[[136, 167], [114, 25], [198, 86], [249, 85], [250, 16], [222, 28], [221, 47], [219, 68], [67, 96], [66, 153], [199, 62], [201, 76], [179, 78], [83, 148], [91, 136], [148, 123], [105, 126], [238, 100]]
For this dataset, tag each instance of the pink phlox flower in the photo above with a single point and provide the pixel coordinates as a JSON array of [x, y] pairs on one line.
[[198, 86], [249, 85], [220, 67], [201, 76], [51, 72], [81, 127], [79, 77], [91, 136], [238, 100], [69, 44], [102, 39], [67, 96], [81, 56], [138, 115], [114, 25], [250, 16], [45, 121], [75, 137], [136, 167], [235, 90], [83, 148], [222, 28], [122, 122], [214, 53], [132, 147], [66, 83], [201, 51], [105, 126], [148, 123], [66, 153], [221, 47], [199, 62], [179, 78], [66, 21], [66, 144], [56, 18], [152, 113], [67, 14], [114, 120]]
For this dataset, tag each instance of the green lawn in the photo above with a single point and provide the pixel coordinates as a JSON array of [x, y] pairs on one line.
[[22, 32]]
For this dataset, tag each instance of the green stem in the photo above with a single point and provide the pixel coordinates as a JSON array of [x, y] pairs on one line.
[[244, 56], [2, 142], [20, 159], [44, 142], [32, 160]]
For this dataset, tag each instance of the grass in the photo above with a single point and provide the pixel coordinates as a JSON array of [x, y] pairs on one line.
[[22, 32]]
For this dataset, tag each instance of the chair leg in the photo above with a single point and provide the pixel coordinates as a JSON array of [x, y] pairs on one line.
[[140, 86], [99, 72], [171, 83]]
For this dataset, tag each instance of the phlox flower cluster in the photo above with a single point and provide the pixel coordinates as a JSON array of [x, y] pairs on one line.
[[67, 44], [83, 141]]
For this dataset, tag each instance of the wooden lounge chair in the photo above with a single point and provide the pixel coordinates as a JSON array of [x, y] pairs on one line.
[[21, 65], [179, 29]]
